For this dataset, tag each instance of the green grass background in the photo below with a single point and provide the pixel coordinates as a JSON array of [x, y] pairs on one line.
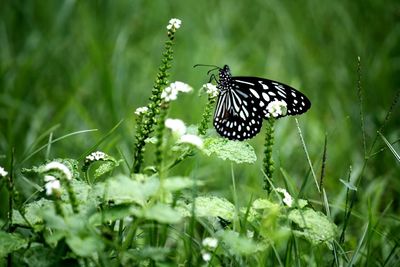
[[78, 65]]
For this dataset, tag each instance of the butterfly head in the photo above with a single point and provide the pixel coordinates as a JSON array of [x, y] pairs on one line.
[[224, 77]]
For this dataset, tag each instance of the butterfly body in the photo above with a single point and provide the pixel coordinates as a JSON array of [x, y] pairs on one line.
[[243, 102]]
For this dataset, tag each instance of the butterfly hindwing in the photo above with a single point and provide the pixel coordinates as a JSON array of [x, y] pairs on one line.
[[265, 91]]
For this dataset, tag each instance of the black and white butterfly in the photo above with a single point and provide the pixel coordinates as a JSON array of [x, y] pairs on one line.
[[243, 103]]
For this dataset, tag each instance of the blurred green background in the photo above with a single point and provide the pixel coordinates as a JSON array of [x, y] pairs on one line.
[[82, 65]]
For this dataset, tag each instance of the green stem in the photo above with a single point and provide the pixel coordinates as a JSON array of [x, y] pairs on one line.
[[268, 165], [206, 116]]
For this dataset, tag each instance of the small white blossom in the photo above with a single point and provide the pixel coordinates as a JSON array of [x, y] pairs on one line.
[[210, 242], [191, 139], [206, 256], [287, 198], [52, 184], [177, 126], [3, 172], [250, 234], [55, 165], [174, 23], [170, 93], [141, 110], [277, 108], [96, 156], [211, 89]]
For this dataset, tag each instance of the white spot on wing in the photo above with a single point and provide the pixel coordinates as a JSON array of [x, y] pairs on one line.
[[266, 97]]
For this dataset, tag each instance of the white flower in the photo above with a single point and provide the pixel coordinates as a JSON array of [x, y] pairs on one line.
[[96, 156], [141, 110], [287, 198], [210, 242], [210, 89], [191, 139], [171, 92], [206, 256], [250, 234], [174, 23], [3, 172], [177, 126], [52, 184], [55, 165], [277, 108]]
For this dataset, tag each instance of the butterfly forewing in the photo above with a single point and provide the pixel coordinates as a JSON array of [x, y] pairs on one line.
[[235, 118]]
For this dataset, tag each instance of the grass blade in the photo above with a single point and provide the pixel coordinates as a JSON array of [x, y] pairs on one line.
[[396, 155]]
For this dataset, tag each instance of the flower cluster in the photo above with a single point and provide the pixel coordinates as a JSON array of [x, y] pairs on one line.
[[277, 108], [179, 129], [174, 24], [209, 243], [58, 166], [3, 172], [141, 110], [211, 90], [52, 185], [95, 156], [170, 93], [287, 198]]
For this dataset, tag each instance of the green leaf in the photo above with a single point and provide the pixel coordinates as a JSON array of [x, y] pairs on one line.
[[39, 255], [314, 226], [85, 245], [72, 165], [10, 242], [111, 214], [237, 151], [34, 213], [238, 245], [211, 207], [105, 167], [179, 183], [162, 213], [122, 189]]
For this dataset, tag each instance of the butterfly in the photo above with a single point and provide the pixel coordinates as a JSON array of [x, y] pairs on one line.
[[243, 102]]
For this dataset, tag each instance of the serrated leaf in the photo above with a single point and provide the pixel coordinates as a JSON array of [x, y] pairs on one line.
[[10, 242], [239, 152], [314, 226], [238, 245], [211, 207], [162, 213], [122, 189]]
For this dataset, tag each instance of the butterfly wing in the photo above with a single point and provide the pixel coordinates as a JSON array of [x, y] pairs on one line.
[[235, 116], [264, 91]]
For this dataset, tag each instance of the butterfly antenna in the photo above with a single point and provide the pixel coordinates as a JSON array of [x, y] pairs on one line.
[[207, 65]]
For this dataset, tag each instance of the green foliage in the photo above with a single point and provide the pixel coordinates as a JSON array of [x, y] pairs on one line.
[[314, 226], [67, 67], [11, 242], [238, 152]]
